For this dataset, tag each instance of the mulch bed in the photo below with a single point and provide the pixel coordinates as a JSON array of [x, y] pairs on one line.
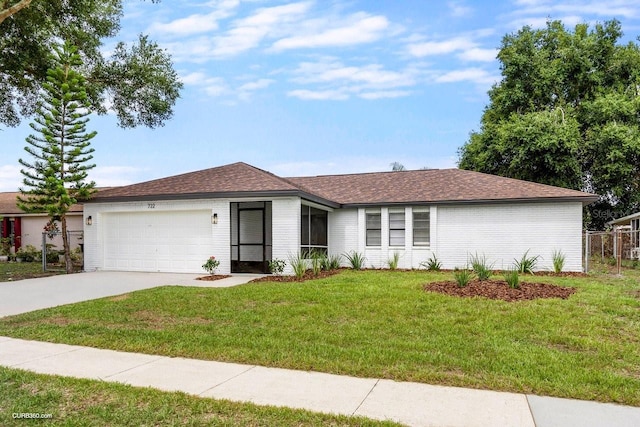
[[308, 275], [499, 289], [212, 277]]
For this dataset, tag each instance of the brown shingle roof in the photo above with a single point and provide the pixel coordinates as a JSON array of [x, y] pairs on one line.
[[423, 186], [234, 178], [428, 186], [9, 206]]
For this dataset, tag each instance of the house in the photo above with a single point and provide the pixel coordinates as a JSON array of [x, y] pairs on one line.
[[27, 229], [245, 216], [630, 228]]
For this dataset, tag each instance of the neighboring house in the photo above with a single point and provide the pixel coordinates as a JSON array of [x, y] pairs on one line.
[[245, 216], [630, 225], [26, 229]]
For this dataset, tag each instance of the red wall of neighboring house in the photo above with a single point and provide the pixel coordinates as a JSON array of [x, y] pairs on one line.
[[5, 230]]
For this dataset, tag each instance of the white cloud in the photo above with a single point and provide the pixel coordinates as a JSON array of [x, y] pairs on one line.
[[249, 32], [246, 90], [441, 47], [197, 23], [10, 178], [213, 86], [474, 75], [536, 13], [611, 8], [363, 29], [258, 84], [478, 54], [374, 75], [458, 9], [337, 81], [319, 95], [385, 94]]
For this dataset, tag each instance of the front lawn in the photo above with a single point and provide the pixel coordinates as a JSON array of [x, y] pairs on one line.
[[11, 271], [58, 401], [379, 324]]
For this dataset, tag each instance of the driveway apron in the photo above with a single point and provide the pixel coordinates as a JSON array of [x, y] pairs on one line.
[[33, 294]]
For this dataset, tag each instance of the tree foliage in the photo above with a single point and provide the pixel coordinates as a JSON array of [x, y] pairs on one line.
[[56, 178], [136, 81], [566, 113]]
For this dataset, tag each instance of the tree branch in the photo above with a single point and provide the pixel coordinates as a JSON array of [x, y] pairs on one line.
[[5, 13]]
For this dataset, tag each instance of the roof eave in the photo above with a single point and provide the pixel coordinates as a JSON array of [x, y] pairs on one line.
[[585, 200], [216, 195], [624, 219]]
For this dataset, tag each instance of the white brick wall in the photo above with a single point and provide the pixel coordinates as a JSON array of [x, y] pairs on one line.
[[286, 229], [502, 232], [286, 222], [343, 231]]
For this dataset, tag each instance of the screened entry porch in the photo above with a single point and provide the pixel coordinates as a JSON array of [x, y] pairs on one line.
[[251, 237]]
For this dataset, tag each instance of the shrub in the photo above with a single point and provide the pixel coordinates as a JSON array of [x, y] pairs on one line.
[[393, 261], [481, 267], [558, 260], [355, 259], [332, 262], [526, 264], [512, 278], [211, 265], [5, 246], [317, 261], [298, 264], [432, 264], [276, 266], [28, 253], [463, 277], [76, 256]]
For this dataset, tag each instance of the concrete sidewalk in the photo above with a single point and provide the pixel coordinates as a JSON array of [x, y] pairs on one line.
[[413, 404]]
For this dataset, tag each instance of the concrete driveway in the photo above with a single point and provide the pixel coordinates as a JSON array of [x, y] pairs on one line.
[[33, 294]]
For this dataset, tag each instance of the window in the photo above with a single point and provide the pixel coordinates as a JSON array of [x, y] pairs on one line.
[[421, 223], [374, 228], [396, 227], [313, 230]]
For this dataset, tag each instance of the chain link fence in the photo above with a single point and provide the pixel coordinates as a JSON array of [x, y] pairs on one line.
[[52, 257], [616, 247]]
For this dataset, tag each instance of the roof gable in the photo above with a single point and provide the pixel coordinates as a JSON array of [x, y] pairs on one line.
[[234, 178]]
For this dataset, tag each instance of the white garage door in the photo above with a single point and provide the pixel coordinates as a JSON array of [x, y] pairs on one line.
[[167, 241]]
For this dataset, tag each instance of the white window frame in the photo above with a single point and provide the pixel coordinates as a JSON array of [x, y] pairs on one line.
[[392, 227], [420, 210], [368, 212]]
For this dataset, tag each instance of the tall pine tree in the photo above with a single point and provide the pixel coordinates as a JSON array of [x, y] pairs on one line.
[[56, 177]]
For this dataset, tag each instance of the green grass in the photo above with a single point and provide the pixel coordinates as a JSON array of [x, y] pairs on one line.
[[74, 402], [12, 271], [379, 324]]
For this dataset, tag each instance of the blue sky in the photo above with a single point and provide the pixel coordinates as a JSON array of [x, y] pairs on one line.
[[317, 86]]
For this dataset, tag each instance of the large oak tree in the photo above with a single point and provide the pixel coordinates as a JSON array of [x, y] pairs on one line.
[[137, 81], [566, 113]]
